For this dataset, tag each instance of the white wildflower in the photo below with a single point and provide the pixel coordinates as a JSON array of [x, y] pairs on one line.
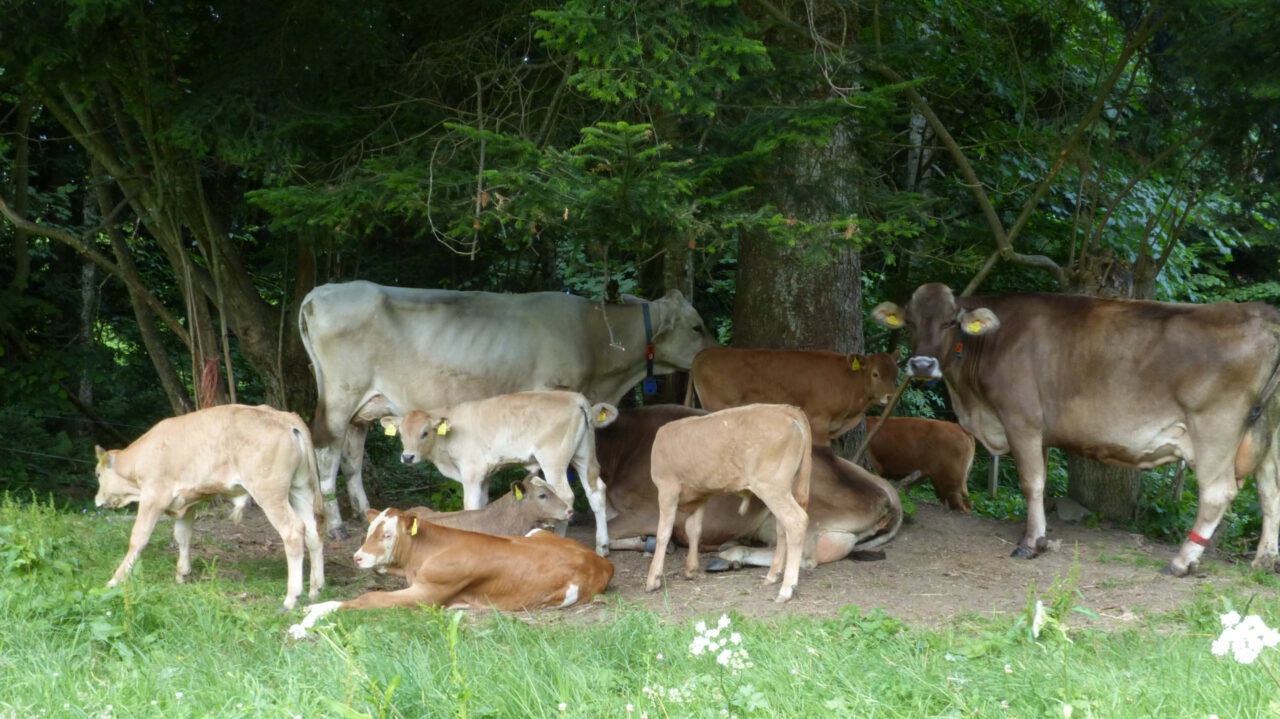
[[1038, 619], [562, 706], [1244, 638], [723, 621], [631, 708], [735, 638]]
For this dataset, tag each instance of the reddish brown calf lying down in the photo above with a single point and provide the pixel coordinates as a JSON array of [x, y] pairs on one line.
[[531, 504], [941, 451], [459, 569]]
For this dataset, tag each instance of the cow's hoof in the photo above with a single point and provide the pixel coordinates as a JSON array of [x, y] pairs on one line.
[[602, 550], [784, 595], [339, 532], [1022, 551], [1266, 563], [1172, 570], [691, 574], [719, 564], [652, 586], [650, 544], [288, 606]]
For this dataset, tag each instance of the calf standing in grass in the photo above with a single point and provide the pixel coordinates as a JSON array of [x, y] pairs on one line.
[[529, 505], [552, 430], [459, 569], [763, 449], [233, 450]]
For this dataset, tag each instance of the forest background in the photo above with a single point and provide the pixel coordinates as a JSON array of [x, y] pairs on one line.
[[175, 176]]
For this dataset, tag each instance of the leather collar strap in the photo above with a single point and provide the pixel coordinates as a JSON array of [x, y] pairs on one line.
[[650, 385]]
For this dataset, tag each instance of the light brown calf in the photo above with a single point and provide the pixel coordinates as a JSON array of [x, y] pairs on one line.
[[833, 389], [455, 568], [232, 450], [762, 449], [940, 451], [529, 505], [849, 509], [551, 430]]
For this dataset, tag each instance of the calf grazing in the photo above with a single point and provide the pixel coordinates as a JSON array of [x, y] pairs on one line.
[[455, 568], [551, 430], [529, 505], [833, 389], [941, 451], [762, 449], [849, 509], [232, 450]]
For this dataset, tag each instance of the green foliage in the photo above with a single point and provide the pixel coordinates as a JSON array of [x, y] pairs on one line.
[[30, 540]]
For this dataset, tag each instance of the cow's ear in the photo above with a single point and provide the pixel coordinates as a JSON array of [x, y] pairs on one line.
[[674, 295], [896, 355], [857, 362], [888, 314], [536, 481], [390, 425], [442, 426], [979, 322], [371, 514]]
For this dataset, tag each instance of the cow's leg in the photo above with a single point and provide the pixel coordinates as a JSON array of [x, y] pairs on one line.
[[328, 460], [668, 499], [353, 468], [303, 503], [289, 526], [182, 531], [148, 514], [1030, 456], [693, 530], [1217, 489], [412, 597], [1268, 479], [791, 521], [475, 488], [594, 488]]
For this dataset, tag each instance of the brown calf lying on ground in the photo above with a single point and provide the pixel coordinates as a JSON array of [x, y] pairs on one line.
[[459, 569], [940, 451], [833, 389], [762, 449], [849, 509], [529, 505], [232, 450]]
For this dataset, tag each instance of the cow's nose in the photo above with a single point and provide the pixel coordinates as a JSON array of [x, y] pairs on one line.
[[568, 514], [924, 367], [407, 458]]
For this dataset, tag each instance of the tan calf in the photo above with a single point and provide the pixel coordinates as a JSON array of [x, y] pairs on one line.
[[529, 505], [455, 568], [761, 449], [551, 430], [940, 451], [232, 450]]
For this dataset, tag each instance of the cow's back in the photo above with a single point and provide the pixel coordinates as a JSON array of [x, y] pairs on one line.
[[723, 449]]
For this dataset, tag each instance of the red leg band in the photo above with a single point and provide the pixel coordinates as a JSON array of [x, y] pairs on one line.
[[1197, 538]]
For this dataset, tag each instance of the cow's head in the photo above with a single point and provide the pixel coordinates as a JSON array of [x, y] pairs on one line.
[[386, 529], [541, 504], [934, 319], [114, 489], [880, 371], [419, 431], [678, 333]]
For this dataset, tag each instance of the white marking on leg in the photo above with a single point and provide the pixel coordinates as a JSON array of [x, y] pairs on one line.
[[314, 612]]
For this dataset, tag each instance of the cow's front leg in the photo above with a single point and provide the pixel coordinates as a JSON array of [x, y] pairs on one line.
[[596, 498], [1217, 488], [1030, 456], [148, 514], [475, 489]]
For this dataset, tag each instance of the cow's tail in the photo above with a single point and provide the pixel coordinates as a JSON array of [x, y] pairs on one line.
[[890, 523], [319, 423], [308, 451], [805, 471]]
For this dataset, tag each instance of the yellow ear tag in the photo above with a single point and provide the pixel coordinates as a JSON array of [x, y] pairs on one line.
[[389, 430], [413, 531], [443, 428], [604, 415], [856, 364], [974, 327], [104, 460], [516, 488], [892, 321]]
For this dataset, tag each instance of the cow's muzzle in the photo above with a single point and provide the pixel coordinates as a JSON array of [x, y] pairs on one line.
[[923, 367], [409, 458]]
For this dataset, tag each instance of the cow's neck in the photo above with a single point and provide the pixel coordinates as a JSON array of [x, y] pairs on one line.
[[618, 330]]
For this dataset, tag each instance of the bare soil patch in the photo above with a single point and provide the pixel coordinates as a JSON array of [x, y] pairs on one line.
[[943, 565]]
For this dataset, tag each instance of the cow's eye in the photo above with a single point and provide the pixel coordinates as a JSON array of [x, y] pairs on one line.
[[949, 325], [386, 535], [542, 496], [700, 329]]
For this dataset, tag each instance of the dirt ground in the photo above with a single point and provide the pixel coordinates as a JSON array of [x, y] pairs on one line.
[[942, 565]]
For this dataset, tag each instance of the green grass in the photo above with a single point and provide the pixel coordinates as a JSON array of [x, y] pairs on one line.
[[69, 647]]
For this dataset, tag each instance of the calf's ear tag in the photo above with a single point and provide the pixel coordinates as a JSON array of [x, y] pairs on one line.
[[857, 365], [413, 531], [892, 320], [604, 415], [389, 430], [974, 327], [104, 460], [516, 488], [443, 428]]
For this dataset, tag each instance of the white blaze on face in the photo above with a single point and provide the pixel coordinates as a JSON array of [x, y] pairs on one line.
[[379, 542]]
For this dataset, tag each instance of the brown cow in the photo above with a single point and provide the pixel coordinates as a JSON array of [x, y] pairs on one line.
[[529, 505], [1132, 383], [940, 451], [455, 568], [232, 450], [833, 389], [849, 509], [762, 449], [551, 430]]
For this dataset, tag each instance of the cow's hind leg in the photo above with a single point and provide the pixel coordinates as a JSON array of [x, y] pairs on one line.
[[290, 528], [353, 468], [1268, 479], [693, 530], [792, 521], [328, 460], [302, 502]]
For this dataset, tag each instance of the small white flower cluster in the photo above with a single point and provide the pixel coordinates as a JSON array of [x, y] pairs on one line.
[[728, 650], [1244, 638], [675, 695]]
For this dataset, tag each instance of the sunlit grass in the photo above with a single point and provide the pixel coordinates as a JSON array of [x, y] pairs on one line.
[[70, 647]]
